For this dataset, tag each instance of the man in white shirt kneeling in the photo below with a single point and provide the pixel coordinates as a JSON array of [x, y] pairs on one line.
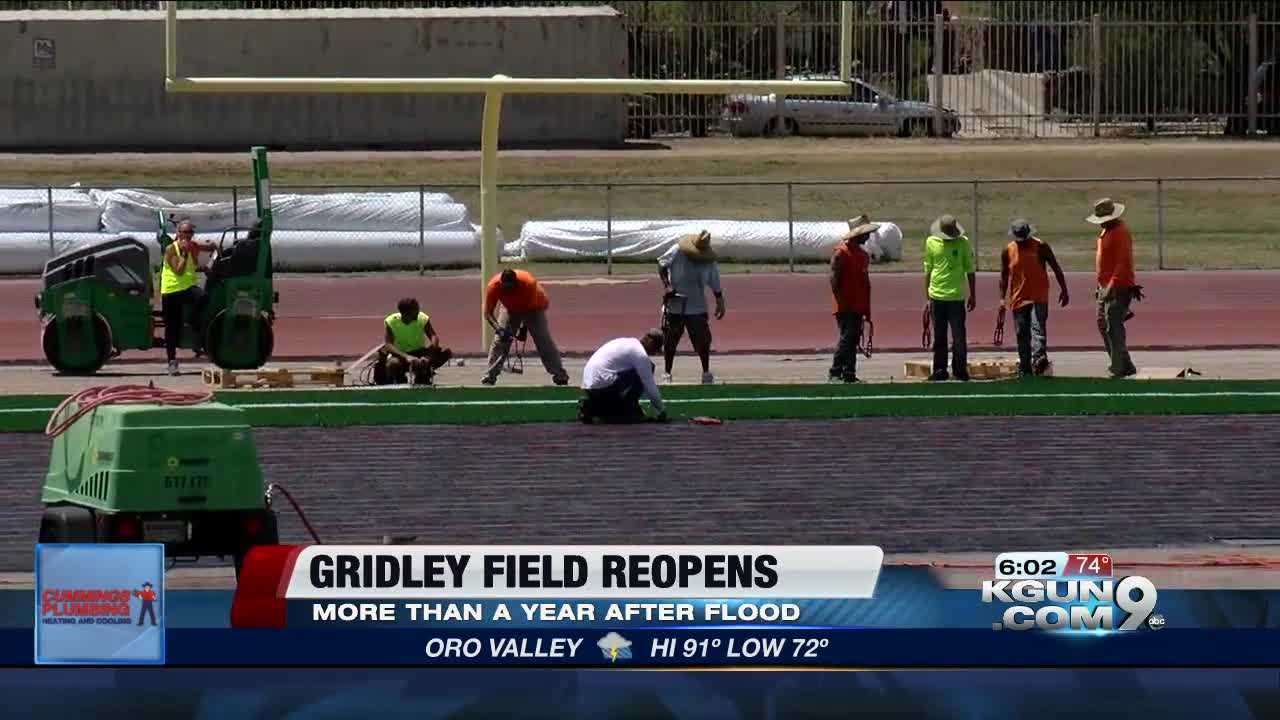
[[616, 377]]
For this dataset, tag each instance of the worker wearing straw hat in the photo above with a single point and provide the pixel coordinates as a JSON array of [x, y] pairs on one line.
[[950, 282], [687, 271], [851, 293], [1117, 285]]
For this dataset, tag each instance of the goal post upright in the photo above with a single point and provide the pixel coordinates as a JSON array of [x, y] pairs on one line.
[[494, 89]]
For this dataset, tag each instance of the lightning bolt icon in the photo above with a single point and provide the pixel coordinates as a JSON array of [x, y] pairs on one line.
[[613, 652]]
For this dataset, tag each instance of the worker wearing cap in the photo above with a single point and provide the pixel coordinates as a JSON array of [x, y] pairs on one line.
[[180, 293], [949, 281], [1117, 285], [1024, 289], [523, 303], [851, 295], [617, 376], [409, 344], [687, 271]]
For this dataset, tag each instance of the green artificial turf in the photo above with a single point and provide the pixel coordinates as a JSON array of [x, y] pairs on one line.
[[417, 406]]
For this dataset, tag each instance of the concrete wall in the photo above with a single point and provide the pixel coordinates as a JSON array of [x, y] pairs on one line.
[[103, 87]]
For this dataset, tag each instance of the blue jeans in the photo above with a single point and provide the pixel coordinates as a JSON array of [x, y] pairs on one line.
[[1029, 321]]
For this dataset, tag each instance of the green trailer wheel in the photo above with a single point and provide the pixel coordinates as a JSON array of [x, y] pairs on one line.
[[78, 346], [239, 343]]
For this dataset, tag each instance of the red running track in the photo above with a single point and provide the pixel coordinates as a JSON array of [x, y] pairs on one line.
[[337, 317]]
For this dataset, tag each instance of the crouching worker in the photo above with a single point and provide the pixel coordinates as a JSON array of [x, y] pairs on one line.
[[410, 344], [616, 377]]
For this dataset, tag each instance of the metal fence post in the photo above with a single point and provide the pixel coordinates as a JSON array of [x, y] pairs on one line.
[[1253, 75], [977, 225], [791, 232], [780, 56], [422, 229], [235, 205], [938, 58], [49, 190], [1160, 223], [608, 228], [1095, 35]]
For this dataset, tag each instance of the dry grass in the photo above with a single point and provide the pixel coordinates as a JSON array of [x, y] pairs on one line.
[[1233, 221]]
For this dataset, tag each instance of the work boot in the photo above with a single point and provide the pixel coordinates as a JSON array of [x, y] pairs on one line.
[[173, 367], [940, 376], [666, 378], [560, 380], [708, 378], [1041, 366], [489, 380]]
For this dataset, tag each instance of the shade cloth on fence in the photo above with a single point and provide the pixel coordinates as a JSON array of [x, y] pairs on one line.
[[735, 239]]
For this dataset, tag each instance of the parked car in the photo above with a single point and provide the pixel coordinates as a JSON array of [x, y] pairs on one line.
[[866, 111]]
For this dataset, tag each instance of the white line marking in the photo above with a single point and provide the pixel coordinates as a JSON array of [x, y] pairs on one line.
[[760, 399]]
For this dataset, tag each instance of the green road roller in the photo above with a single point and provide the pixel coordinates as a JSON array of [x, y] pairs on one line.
[[135, 464], [100, 300]]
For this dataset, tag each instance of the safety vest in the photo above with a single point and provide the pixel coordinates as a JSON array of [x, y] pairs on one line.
[[411, 336], [171, 282]]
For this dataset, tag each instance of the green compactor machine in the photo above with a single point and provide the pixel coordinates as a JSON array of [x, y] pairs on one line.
[[100, 300], [134, 464]]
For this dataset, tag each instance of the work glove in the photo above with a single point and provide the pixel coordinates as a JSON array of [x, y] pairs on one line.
[[720, 308]]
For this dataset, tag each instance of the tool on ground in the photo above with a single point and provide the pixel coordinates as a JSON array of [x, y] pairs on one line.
[[194, 486], [705, 420], [998, 339], [926, 337], [517, 340], [98, 300], [868, 339]]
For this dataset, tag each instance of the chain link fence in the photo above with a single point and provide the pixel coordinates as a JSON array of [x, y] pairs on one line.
[[1178, 223], [1009, 68]]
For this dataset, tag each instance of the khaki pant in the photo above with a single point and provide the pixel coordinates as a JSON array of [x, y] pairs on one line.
[[542, 340], [1113, 306]]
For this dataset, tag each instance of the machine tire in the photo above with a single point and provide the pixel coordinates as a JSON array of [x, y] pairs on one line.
[[67, 524], [102, 338], [213, 340]]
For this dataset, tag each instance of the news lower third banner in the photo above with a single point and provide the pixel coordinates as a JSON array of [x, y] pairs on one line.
[[100, 604], [637, 606]]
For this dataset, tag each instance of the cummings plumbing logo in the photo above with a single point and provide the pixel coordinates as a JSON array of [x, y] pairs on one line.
[[100, 604]]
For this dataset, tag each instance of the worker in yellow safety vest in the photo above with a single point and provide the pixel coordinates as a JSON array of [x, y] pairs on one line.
[[409, 343], [179, 291]]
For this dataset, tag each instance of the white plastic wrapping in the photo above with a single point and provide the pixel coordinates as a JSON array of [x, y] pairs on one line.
[[135, 210], [27, 210], [747, 240]]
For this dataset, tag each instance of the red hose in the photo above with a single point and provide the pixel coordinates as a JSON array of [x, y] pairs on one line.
[[273, 487], [89, 398]]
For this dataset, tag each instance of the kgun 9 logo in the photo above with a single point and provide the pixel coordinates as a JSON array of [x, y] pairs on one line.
[[1076, 604]]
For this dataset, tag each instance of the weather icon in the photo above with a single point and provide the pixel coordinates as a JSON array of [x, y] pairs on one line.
[[613, 646]]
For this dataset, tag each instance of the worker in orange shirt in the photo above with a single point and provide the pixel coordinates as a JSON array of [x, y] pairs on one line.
[[851, 296], [523, 304], [1024, 289], [1117, 286]]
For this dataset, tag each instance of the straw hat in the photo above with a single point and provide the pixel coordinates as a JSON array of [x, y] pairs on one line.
[[861, 230], [860, 220], [697, 247], [1105, 210], [946, 227]]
